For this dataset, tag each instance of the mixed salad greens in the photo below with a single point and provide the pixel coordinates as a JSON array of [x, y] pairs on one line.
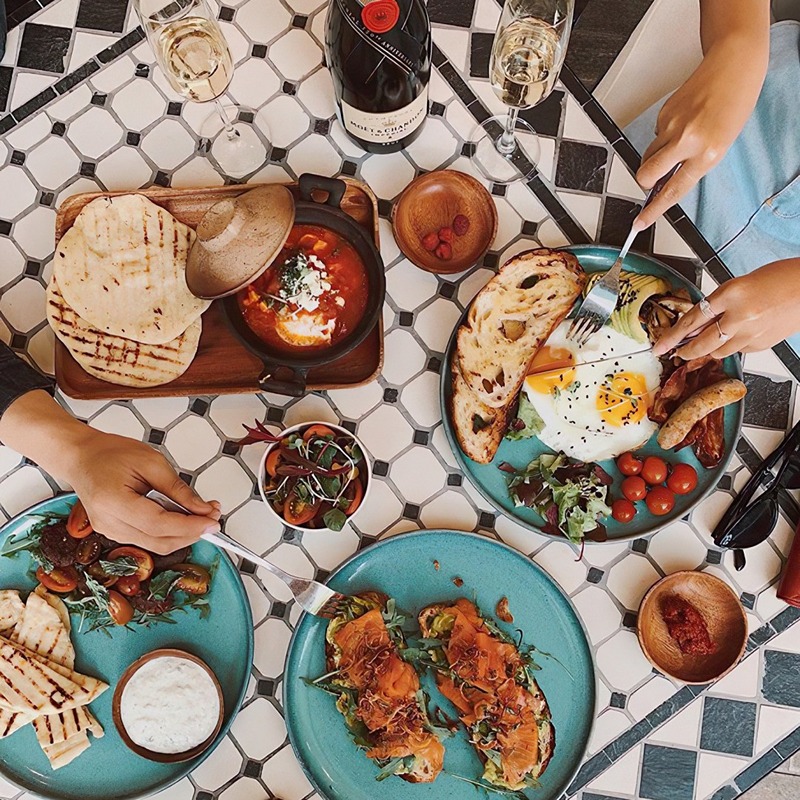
[[570, 495], [105, 583]]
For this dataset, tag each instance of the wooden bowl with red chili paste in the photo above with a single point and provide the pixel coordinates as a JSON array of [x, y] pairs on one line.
[[320, 297], [692, 627]]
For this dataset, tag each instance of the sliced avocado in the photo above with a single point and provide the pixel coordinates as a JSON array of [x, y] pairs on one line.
[[634, 290]]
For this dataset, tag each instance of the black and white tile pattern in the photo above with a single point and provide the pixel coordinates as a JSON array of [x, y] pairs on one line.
[[93, 111]]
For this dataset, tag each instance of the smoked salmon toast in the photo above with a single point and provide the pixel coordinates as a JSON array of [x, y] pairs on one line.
[[482, 672], [379, 693]]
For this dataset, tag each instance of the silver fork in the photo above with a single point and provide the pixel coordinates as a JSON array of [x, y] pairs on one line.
[[598, 306], [310, 595]]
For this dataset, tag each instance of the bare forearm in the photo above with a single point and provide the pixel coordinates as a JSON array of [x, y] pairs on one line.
[[739, 24], [38, 428]]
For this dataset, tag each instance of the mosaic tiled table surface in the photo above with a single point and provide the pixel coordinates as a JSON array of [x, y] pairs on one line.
[[87, 109]]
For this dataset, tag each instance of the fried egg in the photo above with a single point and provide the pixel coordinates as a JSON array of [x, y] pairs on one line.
[[597, 411]]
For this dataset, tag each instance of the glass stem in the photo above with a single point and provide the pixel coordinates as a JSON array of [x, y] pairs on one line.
[[230, 131], [507, 143]]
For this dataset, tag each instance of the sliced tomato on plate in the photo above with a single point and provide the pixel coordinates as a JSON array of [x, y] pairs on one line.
[[194, 578], [60, 579], [144, 561], [78, 525], [120, 610]]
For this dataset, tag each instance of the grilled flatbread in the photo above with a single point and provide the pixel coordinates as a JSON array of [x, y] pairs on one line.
[[114, 358], [62, 753], [11, 609], [122, 267], [41, 630], [511, 318], [31, 683]]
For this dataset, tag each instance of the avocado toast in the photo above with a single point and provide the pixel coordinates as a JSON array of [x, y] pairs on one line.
[[486, 676], [379, 693]]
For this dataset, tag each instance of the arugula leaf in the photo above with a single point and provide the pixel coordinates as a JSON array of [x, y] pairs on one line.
[[528, 423], [124, 565], [162, 583]]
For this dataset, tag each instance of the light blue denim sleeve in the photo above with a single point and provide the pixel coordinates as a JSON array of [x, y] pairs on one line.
[[748, 206]]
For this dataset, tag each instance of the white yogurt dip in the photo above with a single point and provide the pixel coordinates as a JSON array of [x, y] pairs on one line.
[[169, 705]]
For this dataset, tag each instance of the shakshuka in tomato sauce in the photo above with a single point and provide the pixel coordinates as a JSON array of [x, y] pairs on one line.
[[313, 295]]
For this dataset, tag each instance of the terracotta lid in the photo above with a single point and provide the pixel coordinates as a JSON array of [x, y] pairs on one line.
[[237, 239]]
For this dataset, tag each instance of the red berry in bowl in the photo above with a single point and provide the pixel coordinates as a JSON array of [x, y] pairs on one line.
[[446, 235], [430, 242], [460, 224], [444, 251]]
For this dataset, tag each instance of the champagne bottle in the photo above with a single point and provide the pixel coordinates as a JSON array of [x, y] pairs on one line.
[[379, 55]]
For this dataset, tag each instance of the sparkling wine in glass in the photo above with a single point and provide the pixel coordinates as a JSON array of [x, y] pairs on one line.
[[527, 55], [193, 53]]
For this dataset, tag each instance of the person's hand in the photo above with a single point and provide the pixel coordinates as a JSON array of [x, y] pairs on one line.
[[697, 125], [755, 312], [111, 473]]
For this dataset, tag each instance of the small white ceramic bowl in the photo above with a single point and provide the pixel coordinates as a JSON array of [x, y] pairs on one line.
[[262, 472]]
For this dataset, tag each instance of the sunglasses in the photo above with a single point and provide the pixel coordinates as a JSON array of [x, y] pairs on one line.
[[749, 522]]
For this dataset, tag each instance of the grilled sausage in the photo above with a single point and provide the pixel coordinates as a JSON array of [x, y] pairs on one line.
[[698, 406]]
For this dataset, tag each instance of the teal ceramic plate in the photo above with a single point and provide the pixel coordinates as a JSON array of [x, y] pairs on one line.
[[108, 768], [403, 567], [491, 482]]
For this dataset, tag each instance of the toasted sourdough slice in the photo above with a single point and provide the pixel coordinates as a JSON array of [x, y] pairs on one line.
[[511, 318], [377, 692], [478, 428], [482, 672]]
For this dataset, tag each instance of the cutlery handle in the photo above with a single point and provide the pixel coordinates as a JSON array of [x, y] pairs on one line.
[[223, 541]]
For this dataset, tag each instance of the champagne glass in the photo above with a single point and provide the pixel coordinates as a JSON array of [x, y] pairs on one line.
[[193, 53], [527, 55]]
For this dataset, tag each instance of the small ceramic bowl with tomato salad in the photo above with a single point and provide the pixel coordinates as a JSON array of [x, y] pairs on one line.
[[316, 476]]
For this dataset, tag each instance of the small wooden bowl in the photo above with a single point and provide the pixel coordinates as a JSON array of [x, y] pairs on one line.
[[431, 202], [722, 612], [164, 758]]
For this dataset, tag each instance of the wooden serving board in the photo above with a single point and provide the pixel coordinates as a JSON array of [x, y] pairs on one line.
[[222, 364]]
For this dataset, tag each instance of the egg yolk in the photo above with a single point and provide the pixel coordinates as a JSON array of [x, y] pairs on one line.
[[622, 399], [556, 367]]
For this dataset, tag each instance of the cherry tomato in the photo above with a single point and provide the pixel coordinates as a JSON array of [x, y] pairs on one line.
[[660, 500], [355, 494], [129, 585], [654, 470], [99, 574], [78, 525], [297, 511], [628, 464], [60, 579], [271, 464], [144, 561], [194, 578], [683, 479], [88, 550], [316, 430], [119, 608], [634, 488], [623, 510]]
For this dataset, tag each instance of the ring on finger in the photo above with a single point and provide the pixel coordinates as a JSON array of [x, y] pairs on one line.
[[706, 310], [723, 337]]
